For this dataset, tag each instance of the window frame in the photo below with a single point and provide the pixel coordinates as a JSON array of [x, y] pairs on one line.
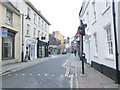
[[9, 17]]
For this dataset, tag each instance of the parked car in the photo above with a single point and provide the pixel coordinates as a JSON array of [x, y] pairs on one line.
[[64, 52]]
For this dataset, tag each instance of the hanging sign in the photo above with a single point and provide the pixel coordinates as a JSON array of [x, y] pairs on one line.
[[4, 32]]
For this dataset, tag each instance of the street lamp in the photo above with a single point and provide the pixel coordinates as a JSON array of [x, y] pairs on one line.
[[81, 29], [22, 53]]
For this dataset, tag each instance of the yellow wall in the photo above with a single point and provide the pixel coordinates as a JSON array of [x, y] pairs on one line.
[[60, 37], [15, 27]]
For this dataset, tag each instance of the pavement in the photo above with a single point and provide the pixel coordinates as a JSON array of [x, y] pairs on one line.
[[91, 79]]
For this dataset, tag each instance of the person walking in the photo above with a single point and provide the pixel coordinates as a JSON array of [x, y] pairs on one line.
[[27, 57], [75, 52]]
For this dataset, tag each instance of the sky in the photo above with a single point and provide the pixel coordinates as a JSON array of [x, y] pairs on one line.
[[62, 14]]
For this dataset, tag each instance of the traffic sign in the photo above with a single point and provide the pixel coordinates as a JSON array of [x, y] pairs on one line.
[[4, 32]]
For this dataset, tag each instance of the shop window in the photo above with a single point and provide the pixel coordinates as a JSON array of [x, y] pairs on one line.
[[8, 47]]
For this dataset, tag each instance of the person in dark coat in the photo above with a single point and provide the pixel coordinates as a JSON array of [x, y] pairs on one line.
[[75, 52]]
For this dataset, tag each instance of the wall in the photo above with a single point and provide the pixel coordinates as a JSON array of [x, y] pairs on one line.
[[60, 37], [0, 33], [101, 61], [119, 31], [15, 27]]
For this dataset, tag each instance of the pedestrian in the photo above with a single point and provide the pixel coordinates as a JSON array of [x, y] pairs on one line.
[[27, 57], [75, 52]]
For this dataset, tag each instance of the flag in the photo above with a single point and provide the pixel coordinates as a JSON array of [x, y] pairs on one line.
[[77, 34]]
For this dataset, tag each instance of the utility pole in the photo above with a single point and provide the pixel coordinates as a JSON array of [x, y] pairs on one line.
[[81, 29]]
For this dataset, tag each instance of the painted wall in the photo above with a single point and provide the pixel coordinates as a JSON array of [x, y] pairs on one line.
[[119, 31], [59, 36], [15, 27], [103, 18]]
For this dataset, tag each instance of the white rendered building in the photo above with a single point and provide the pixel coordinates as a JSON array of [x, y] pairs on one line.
[[35, 31], [99, 41]]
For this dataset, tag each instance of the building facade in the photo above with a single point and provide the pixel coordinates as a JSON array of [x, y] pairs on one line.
[[60, 37], [99, 41], [35, 30], [10, 33], [54, 45]]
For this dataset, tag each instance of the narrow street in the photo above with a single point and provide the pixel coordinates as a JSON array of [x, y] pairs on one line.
[[48, 74]]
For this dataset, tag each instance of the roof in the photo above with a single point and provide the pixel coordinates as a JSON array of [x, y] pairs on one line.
[[38, 12]]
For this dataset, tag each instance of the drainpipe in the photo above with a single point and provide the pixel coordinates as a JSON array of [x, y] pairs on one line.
[[117, 81]]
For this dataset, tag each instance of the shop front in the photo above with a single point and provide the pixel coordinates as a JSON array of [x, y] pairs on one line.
[[42, 49], [30, 47], [8, 45]]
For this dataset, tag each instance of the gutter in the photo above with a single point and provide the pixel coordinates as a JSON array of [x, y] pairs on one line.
[[117, 79]]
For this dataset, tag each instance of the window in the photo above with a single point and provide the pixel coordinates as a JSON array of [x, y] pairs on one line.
[[28, 29], [35, 18], [38, 33], [107, 3], [45, 26], [39, 22], [42, 24], [34, 32], [95, 41], [109, 39], [9, 17], [8, 47], [94, 10], [28, 11], [88, 16]]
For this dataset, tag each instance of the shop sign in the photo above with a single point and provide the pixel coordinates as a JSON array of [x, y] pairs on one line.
[[4, 32]]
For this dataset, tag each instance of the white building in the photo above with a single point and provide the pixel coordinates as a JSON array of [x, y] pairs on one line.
[[99, 41], [35, 31]]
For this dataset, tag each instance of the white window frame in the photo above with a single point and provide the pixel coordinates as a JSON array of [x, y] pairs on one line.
[[28, 30], [34, 32], [107, 3], [28, 11], [9, 17], [39, 21], [109, 42], [95, 44], [35, 18], [38, 33], [94, 10], [42, 24]]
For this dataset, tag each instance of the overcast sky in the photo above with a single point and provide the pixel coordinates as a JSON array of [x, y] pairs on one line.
[[62, 14]]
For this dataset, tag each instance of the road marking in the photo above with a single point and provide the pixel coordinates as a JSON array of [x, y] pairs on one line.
[[16, 74], [67, 71], [61, 75], [38, 74], [30, 74], [45, 75], [53, 75], [71, 81], [23, 74], [76, 78]]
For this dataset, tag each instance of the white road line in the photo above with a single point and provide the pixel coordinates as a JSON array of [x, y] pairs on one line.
[[53, 75], [67, 71], [76, 78], [62, 76], [23, 74], [30, 74], [45, 75], [38, 74], [16, 74], [64, 65], [71, 81]]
